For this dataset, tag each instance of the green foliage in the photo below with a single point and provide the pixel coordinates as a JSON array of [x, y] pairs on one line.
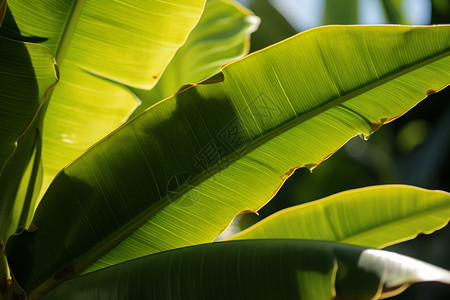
[[397, 213], [177, 173], [21, 115], [102, 49], [258, 269]]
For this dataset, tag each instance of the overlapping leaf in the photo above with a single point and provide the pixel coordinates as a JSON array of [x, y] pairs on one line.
[[100, 46], [221, 35], [26, 77], [226, 146], [256, 269], [373, 217]]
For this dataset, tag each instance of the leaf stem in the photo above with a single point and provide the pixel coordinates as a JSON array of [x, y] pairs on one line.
[[66, 37]]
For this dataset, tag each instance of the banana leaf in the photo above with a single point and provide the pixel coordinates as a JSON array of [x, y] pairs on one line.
[[28, 73], [256, 269], [221, 35], [373, 217], [177, 174], [101, 47]]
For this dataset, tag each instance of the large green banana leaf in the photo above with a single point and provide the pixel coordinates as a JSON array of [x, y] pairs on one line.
[[26, 76], [100, 46], [221, 35], [256, 269], [178, 173], [373, 217]]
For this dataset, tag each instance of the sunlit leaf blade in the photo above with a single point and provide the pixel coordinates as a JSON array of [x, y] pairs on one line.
[[226, 146], [373, 217], [129, 41], [341, 12], [256, 269], [100, 46], [221, 35], [26, 76]]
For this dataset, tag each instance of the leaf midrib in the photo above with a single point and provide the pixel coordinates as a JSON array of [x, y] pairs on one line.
[[338, 101], [147, 214], [69, 29], [404, 219], [102, 248]]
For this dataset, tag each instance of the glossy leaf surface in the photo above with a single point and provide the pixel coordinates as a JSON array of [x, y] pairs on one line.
[[226, 146], [373, 217], [256, 269], [221, 35]]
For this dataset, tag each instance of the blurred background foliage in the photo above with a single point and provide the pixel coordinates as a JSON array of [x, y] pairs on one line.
[[411, 150]]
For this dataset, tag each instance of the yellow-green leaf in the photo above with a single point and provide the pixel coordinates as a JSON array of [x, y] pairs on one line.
[[373, 217], [101, 47], [178, 173], [221, 35]]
